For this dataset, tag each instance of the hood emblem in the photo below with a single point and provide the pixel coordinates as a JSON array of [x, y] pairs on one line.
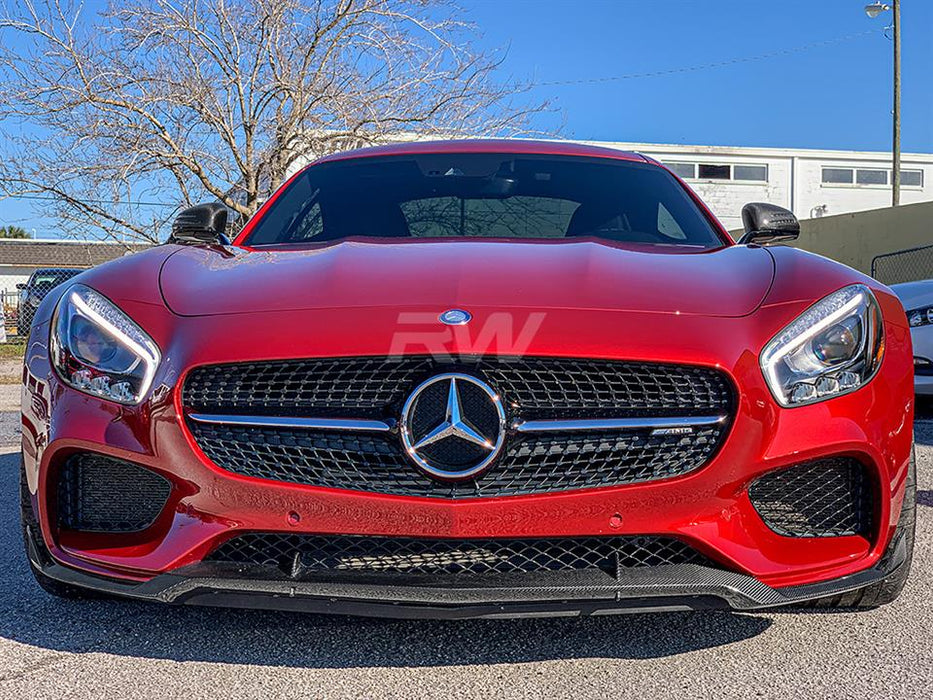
[[453, 426], [455, 317]]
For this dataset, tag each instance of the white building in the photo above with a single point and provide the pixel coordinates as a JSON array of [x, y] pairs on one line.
[[810, 183]]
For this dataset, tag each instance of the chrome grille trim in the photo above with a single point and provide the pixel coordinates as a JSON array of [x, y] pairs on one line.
[[650, 423], [531, 426], [353, 424]]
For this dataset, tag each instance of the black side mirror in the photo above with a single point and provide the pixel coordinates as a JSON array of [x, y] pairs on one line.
[[202, 224], [768, 223], [21, 286]]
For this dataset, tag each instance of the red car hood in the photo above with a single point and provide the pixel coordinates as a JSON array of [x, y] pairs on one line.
[[580, 274]]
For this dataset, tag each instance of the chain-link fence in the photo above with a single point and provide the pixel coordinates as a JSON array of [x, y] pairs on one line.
[[907, 265], [19, 305]]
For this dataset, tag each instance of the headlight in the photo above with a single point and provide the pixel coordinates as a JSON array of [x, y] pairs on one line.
[[832, 348], [920, 317], [98, 349]]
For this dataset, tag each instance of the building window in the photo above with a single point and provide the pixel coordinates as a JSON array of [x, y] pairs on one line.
[[871, 177], [750, 173], [838, 176], [715, 172], [687, 171], [912, 178]]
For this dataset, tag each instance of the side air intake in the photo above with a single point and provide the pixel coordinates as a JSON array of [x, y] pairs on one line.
[[102, 494], [824, 498]]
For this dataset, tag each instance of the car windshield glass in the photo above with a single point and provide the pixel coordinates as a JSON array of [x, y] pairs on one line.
[[45, 280], [485, 196]]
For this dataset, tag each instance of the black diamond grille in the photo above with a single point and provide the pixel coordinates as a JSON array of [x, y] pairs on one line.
[[101, 494], [530, 464], [377, 386], [825, 498], [301, 554], [531, 389]]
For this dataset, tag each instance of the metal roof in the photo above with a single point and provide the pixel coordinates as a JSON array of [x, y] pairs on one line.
[[50, 253]]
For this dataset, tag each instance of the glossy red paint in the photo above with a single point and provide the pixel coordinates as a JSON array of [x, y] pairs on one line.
[[726, 282], [517, 146], [593, 299]]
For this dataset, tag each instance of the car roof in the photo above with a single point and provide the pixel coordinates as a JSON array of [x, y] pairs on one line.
[[514, 146]]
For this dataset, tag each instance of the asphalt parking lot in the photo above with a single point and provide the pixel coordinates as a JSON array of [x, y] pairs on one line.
[[56, 649]]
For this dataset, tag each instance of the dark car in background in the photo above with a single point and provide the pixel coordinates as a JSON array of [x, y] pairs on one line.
[[40, 283]]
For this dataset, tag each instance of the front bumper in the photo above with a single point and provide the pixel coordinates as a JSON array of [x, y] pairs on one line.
[[708, 509], [664, 588]]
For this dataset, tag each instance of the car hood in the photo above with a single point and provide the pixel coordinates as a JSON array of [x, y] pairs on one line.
[[580, 274], [914, 294]]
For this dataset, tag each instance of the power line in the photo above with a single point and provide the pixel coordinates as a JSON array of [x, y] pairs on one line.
[[708, 66]]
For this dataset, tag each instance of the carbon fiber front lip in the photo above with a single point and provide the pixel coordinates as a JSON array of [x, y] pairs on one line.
[[674, 587]]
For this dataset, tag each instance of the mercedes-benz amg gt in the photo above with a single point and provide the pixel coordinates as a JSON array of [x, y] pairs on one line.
[[472, 378]]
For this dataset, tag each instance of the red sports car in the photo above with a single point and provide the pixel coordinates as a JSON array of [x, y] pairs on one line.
[[472, 378]]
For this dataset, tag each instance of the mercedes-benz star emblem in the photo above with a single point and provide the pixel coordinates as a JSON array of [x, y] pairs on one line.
[[453, 426], [455, 317]]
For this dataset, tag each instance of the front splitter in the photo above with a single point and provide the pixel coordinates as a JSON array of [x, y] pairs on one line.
[[672, 587]]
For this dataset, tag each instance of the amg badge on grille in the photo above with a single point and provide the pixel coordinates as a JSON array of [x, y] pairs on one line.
[[453, 426], [679, 430]]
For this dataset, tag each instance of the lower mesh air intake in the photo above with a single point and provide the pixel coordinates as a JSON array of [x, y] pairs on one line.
[[295, 554], [102, 494], [824, 498]]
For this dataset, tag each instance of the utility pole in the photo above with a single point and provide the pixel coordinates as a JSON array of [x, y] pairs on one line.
[[873, 10], [896, 175]]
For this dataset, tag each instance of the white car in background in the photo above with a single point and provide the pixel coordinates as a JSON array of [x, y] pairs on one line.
[[917, 298]]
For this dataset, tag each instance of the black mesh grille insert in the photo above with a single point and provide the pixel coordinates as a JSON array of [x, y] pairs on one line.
[[102, 494], [531, 389], [377, 386], [299, 554], [528, 464], [825, 498]]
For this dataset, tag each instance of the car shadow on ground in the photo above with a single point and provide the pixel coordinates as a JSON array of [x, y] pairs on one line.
[[30, 616]]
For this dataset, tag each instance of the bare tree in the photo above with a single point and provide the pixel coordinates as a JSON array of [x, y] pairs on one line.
[[108, 117]]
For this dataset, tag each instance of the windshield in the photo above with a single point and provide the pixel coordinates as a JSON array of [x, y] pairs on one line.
[[485, 196], [46, 278]]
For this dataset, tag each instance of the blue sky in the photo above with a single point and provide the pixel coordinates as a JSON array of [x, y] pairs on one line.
[[837, 95], [834, 96]]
